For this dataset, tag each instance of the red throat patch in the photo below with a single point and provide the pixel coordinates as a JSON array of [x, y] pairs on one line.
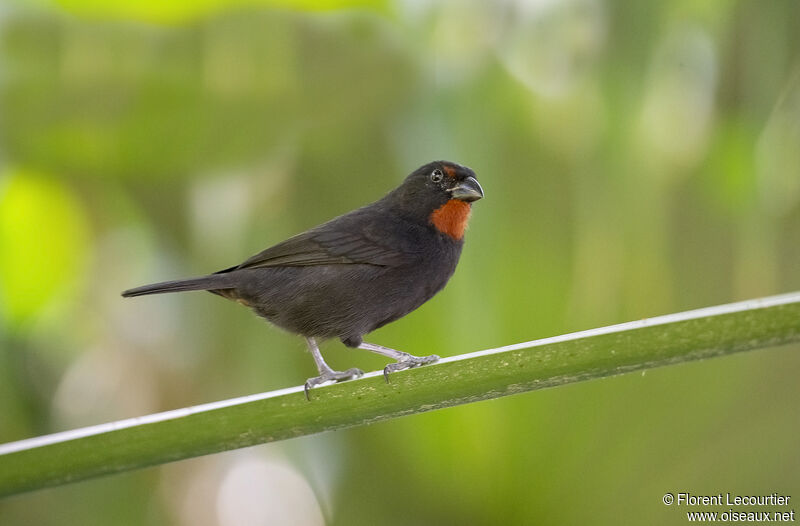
[[451, 218]]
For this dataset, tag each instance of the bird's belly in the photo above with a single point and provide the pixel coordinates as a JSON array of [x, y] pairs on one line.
[[341, 301]]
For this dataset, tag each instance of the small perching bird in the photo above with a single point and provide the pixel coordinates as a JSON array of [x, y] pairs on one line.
[[357, 272]]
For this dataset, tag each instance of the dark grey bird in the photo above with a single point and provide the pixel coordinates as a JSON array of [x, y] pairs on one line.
[[357, 272]]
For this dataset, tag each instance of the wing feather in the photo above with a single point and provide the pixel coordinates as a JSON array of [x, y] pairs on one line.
[[338, 242]]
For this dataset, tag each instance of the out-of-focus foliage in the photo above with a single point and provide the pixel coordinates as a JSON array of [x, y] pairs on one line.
[[177, 11], [43, 243], [638, 158]]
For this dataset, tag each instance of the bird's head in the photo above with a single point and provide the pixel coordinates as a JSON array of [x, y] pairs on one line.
[[440, 193]]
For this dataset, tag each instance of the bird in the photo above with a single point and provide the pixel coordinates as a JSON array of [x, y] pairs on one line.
[[357, 272]]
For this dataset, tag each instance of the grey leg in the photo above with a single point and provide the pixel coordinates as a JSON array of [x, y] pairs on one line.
[[404, 360], [326, 374]]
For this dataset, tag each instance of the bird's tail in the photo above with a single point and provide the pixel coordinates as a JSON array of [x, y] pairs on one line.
[[212, 282]]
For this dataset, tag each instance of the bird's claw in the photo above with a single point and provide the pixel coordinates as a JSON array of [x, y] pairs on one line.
[[331, 376], [407, 362]]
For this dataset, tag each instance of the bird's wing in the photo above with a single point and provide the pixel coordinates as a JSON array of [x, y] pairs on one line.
[[343, 242]]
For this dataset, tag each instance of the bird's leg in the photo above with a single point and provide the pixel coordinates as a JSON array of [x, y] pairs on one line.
[[404, 360], [326, 374]]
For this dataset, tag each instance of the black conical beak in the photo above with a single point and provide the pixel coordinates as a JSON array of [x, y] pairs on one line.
[[470, 190]]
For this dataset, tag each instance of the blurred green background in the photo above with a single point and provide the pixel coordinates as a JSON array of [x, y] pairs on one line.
[[639, 158]]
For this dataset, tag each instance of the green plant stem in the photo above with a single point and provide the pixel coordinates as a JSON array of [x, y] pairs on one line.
[[130, 444]]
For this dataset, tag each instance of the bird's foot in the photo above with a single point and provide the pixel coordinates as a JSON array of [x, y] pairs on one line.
[[331, 376], [407, 362], [404, 360]]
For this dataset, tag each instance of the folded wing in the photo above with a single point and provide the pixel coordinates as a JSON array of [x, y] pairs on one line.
[[340, 242]]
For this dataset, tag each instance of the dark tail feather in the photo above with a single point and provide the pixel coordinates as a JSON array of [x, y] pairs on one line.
[[204, 283]]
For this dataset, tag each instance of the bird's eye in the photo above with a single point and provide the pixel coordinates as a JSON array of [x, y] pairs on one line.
[[437, 175]]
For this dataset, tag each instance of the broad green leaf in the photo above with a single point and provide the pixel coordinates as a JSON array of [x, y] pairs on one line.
[[138, 442]]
